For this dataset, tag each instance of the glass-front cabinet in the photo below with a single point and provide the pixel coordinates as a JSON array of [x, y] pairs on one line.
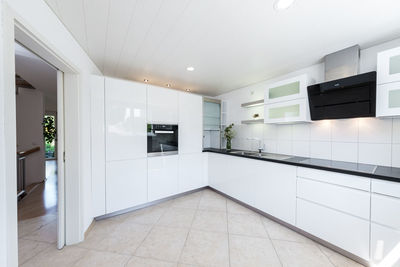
[[388, 89], [286, 101]]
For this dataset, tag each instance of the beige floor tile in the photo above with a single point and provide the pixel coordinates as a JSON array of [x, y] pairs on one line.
[[187, 202], [145, 262], [212, 203], [206, 249], [280, 232], [236, 208], [252, 251], [293, 254], [29, 248], [163, 243], [52, 257], [177, 217], [102, 259], [29, 226], [149, 215], [47, 233], [104, 227], [124, 239], [337, 259], [214, 221], [249, 225]]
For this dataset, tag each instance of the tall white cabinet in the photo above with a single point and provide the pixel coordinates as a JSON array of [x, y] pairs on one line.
[[126, 139], [162, 105]]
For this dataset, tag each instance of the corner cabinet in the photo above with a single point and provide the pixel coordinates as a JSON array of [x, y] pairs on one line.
[[286, 101], [388, 80]]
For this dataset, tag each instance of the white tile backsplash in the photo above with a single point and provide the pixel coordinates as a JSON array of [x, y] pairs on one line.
[[321, 149], [285, 132], [379, 154], [373, 130], [301, 132], [320, 131], [301, 148], [284, 147], [396, 155], [396, 131], [344, 151], [345, 130]]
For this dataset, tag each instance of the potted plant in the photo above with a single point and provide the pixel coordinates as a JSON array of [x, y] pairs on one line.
[[228, 135]]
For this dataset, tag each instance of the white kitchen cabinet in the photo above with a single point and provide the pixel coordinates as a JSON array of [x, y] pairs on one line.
[[125, 108], [162, 176], [162, 105], [275, 191], [286, 112], [388, 99], [126, 184], [190, 123], [385, 210], [348, 232], [191, 172], [98, 148], [345, 199], [388, 66], [385, 246], [285, 90], [386, 188]]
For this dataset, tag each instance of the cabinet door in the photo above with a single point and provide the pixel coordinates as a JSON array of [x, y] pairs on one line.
[[388, 67], [385, 246], [98, 147], [191, 172], [162, 105], [288, 111], [275, 191], [388, 99], [288, 89], [126, 134], [190, 123], [383, 210], [340, 229], [126, 184], [162, 176]]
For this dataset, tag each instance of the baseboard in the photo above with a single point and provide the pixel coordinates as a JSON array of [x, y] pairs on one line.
[[89, 229]]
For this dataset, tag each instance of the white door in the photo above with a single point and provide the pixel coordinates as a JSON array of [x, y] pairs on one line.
[[60, 160]]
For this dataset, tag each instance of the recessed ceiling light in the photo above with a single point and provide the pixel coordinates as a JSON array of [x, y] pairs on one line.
[[283, 4], [146, 81], [187, 90], [168, 85], [190, 68]]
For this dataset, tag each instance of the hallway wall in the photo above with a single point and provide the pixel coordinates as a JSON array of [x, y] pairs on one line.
[[30, 112]]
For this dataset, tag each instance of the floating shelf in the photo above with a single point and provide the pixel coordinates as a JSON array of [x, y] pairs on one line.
[[253, 121], [253, 104]]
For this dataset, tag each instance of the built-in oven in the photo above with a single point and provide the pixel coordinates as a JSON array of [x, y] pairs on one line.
[[162, 139]]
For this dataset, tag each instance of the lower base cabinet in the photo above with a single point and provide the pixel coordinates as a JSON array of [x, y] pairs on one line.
[[162, 176], [191, 168], [340, 229], [385, 246], [126, 184]]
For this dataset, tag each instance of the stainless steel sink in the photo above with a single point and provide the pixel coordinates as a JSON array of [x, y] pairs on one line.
[[262, 155]]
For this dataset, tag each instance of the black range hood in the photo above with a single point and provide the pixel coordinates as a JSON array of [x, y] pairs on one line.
[[350, 97]]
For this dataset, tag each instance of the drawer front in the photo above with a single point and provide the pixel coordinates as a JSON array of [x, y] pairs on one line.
[[385, 246], [352, 181], [386, 188], [345, 231], [385, 210], [341, 198]]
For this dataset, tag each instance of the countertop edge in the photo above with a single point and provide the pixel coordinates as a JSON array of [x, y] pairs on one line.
[[324, 168]]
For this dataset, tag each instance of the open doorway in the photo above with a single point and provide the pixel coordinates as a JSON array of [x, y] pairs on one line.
[[36, 115]]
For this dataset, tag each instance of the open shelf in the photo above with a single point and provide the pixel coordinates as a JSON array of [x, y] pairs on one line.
[[253, 104], [253, 121]]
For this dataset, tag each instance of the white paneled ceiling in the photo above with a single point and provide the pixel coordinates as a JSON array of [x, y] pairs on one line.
[[230, 43]]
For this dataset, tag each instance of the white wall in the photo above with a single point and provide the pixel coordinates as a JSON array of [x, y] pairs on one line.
[[367, 140], [30, 112], [41, 22]]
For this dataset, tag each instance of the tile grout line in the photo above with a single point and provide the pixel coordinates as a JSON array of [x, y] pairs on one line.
[[227, 226], [272, 243]]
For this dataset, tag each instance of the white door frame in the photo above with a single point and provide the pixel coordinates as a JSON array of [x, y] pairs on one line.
[[69, 204]]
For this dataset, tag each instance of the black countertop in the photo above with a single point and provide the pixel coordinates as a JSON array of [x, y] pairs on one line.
[[367, 170]]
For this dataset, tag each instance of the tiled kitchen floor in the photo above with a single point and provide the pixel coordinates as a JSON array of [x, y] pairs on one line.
[[200, 229]]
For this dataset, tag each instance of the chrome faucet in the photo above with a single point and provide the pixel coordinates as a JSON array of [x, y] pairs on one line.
[[260, 144]]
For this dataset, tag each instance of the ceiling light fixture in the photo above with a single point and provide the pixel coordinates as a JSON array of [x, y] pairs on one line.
[[146, 81], [168, 85], [190, 68], [283, 4], [187, 90]]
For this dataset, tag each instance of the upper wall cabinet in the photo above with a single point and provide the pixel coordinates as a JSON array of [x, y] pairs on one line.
[[162, 105], [125, 109], [190, 123], [389, 66], [288, 89], [388, 89]]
